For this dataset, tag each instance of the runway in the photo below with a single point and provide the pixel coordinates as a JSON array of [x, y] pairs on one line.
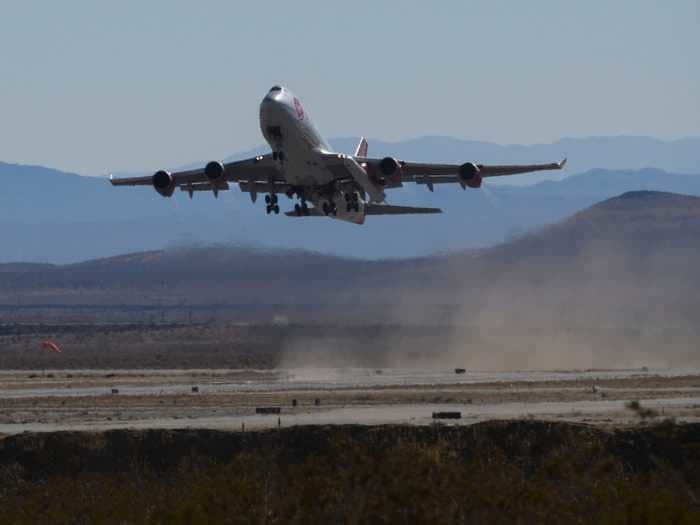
[[44, 401]]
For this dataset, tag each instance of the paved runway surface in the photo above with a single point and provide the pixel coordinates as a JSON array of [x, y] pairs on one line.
[[226, 399]]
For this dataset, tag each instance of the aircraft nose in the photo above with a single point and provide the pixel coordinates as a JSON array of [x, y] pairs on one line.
[[274, 95]]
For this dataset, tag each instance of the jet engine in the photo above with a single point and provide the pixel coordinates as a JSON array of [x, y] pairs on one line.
[[469, 175], [164, 183], [214, 171], [388, 166], [389, 172]]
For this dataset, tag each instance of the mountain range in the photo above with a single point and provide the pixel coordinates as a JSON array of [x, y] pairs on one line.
[[57, 217]]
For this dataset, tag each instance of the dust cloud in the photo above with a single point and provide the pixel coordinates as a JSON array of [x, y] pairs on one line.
[[604, 306]]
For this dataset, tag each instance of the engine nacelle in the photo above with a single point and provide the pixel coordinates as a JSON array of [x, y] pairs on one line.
[[389, 172], [388, 166], [164, 183], [470, 175], [214, 171]]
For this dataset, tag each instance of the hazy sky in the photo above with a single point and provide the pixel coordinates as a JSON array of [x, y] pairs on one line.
[[96, 86]]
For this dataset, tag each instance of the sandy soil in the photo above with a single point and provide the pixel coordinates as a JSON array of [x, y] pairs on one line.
[[226, 399]]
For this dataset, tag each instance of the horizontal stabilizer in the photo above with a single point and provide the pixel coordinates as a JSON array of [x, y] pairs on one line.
[[388, 209], [313, 212]]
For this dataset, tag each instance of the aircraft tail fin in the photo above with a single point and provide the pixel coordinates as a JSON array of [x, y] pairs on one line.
[[361, 150]]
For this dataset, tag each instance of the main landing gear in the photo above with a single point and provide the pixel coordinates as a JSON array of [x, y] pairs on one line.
[[272, 206], [302, 210], [352, 203], [329, 208]]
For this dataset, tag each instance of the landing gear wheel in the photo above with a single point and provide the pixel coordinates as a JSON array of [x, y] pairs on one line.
[[304, 208], [355, 203], [298, 210], [280, 156], [274, 155], [268, 199], [268, 209], [276, 209], [326, 209]]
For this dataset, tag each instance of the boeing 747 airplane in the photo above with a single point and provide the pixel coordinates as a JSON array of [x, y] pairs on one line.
[[325, 183]]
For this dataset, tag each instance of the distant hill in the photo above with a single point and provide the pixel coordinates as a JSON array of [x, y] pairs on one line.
[[639, 223], [635, 228], [24, 267]]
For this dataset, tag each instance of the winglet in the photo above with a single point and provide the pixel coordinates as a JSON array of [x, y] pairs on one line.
[[562, 163]]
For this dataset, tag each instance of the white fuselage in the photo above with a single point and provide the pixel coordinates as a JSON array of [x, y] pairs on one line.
[[287, 128], [297, 147]]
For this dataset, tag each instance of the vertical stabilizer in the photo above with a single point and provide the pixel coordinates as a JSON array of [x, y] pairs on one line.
[[361, 150]]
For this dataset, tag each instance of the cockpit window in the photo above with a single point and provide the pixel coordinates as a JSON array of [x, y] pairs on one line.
[[275, 88]]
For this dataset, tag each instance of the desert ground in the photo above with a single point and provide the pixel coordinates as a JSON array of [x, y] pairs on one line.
[[136, 423], [216, 375]]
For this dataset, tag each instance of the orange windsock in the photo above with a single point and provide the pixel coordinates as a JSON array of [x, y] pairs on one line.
[[51, 346]]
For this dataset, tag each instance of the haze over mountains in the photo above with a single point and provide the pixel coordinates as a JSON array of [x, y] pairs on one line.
[[51, 216]]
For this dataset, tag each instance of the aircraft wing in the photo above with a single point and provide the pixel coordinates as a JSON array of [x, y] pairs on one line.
[[468, 173], [413, 170], [256, 169]]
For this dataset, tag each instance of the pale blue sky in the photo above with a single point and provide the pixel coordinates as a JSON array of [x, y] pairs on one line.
[[96, 86]]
